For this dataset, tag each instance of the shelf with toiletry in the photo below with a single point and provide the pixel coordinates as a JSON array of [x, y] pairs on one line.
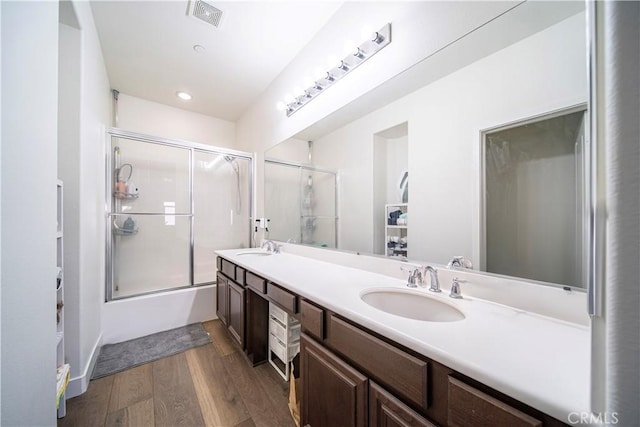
[[62, 371], [127, 196], [124, 188], [129, 228], [396, 229]]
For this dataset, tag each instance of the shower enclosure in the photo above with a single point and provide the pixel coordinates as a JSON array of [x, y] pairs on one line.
[[301, 203], [170, 205]]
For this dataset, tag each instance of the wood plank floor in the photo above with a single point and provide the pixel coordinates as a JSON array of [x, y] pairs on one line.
[[212, 385]]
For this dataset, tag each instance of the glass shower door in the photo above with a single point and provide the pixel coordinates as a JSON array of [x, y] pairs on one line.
[[282, 201], [150, 218], [318, 208], [300, 202], [221, 209]]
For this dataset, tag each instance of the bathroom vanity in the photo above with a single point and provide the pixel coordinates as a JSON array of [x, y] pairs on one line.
[[494, 366]]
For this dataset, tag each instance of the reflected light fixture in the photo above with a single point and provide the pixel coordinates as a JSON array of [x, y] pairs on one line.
[[374, 42]]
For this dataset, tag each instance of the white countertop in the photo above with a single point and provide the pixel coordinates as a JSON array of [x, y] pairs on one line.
[[538, 360]]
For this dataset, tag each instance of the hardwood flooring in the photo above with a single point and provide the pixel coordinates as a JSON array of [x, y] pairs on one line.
[[212, 385]]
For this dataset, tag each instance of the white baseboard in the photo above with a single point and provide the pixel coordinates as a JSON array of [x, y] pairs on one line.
[[78, 385]]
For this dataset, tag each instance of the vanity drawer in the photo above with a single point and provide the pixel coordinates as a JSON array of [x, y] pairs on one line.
[[219, 263], [228, 269], [256, 282], [312, 320], [470, 406], [240, 276], [399, 371], [284, 299]]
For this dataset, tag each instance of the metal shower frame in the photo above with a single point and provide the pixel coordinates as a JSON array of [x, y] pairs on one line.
[[110, 215], [309, 167]]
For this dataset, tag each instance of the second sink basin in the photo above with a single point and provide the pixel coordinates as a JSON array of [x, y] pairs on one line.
[[411, 304], [259, 252]]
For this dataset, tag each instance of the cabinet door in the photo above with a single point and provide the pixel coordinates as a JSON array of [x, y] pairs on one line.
[[387, 411], [333, 393], [236, 312], [222, 302]]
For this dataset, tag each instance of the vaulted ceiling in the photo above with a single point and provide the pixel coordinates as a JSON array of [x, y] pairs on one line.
[[148, 48]]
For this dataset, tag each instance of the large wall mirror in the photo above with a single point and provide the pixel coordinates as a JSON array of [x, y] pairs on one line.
[[481, 153]]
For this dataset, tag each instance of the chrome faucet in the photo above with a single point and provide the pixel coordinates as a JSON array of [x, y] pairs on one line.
[[434, 283], [455, 288], [270, 246], [415, 277], [459, 262]]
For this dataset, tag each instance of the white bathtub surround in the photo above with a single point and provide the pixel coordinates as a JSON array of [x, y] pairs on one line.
[[537, 359], [136, 317]]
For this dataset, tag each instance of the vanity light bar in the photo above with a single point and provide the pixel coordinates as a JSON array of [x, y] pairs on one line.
[[360, 54]]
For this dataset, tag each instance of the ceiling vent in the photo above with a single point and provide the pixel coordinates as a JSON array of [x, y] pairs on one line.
[[205, 12]]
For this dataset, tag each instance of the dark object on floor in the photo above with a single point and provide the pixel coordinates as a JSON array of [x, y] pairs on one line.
[[118, 357]]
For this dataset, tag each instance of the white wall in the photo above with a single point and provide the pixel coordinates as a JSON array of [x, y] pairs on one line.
[[85, 113], [445, 119], [152, 118], [292, 150], [29, 135], [69, 114]]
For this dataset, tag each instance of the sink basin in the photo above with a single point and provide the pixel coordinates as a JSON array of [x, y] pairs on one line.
[[259, 252], [411, 304]]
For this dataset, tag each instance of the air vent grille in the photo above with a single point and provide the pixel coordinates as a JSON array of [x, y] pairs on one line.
[[206, 12]]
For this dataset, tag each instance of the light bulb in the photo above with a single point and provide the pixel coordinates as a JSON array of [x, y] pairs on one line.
[[319, 73], [288, 98], [280, 106], [349, 47], [366, 32], [333, 61], [184, 96], [297, 91], [307, 81]]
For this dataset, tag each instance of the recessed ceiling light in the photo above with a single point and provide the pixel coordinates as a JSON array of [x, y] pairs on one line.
[[184, 96], [199, 48]]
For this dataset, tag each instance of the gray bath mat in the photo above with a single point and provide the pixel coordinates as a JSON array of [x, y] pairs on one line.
[[118, 357]]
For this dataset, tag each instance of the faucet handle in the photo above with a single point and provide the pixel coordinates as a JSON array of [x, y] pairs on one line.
[[459, 262], [455, 288], [415, 276]]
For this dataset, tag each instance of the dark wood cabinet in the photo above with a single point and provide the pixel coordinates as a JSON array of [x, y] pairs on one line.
[[333, 393], [312, 320], [236, 312], [387, 411], [222, 302], [470, 406], [352, 376], [399, 371]]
